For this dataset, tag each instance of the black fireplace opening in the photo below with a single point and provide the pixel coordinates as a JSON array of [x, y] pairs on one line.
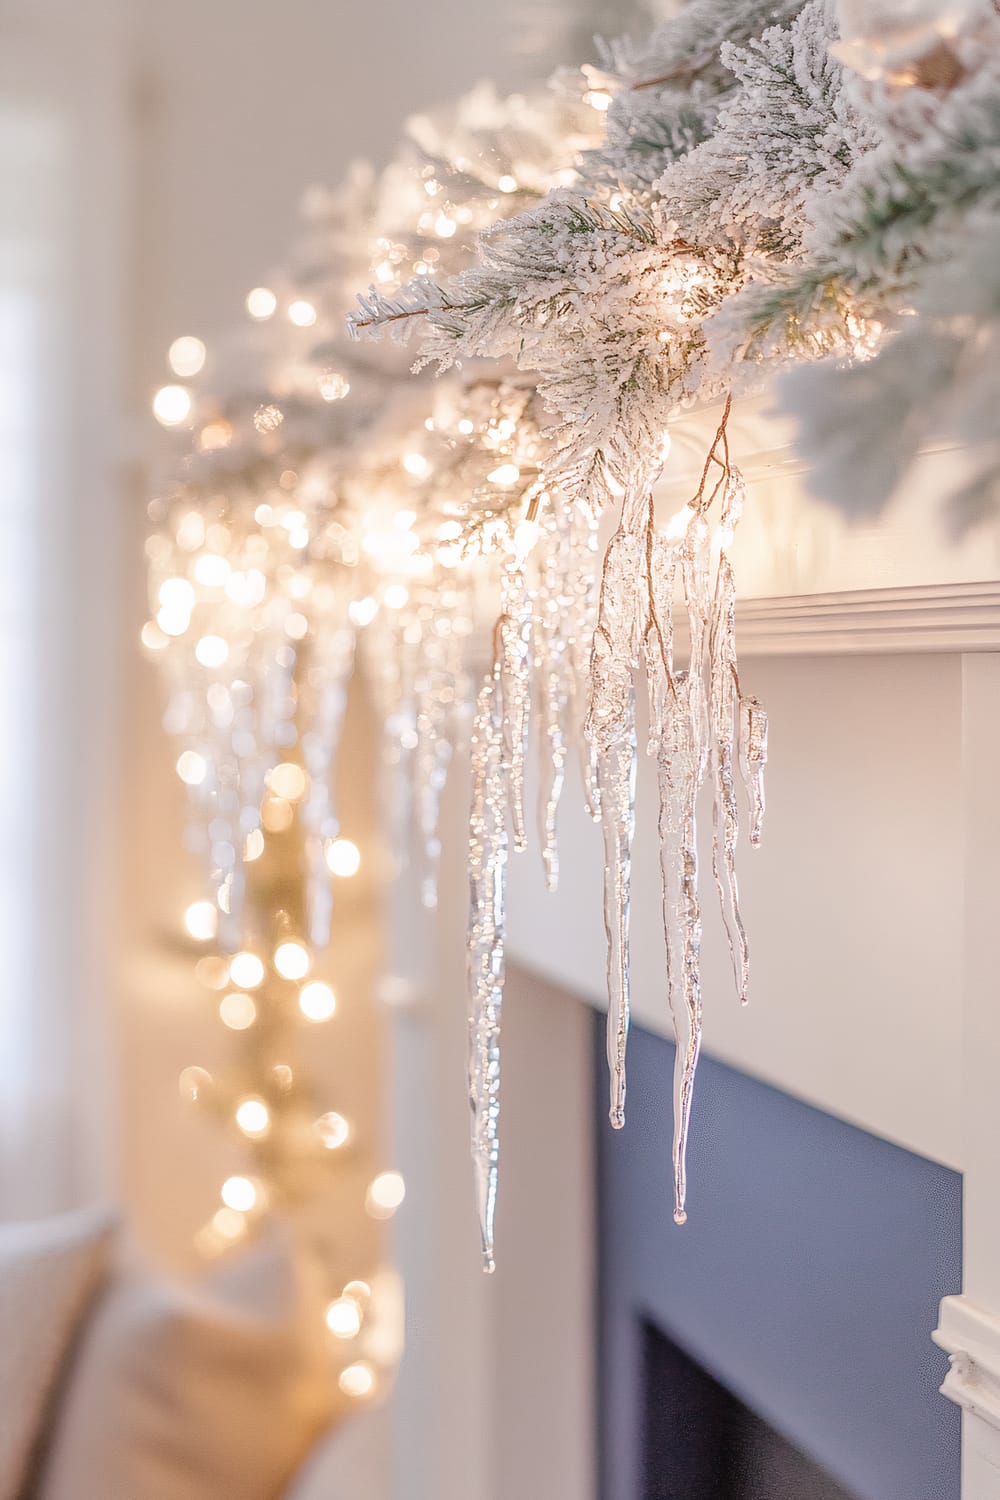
[[700, 1442]]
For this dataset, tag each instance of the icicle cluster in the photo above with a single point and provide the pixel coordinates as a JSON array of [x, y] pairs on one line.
[[759, 184]]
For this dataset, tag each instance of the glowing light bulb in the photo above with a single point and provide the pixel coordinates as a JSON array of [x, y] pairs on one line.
[[152, 636], [507, 183], [444, 227], [598, 99], [302, 313], [296, 625], [343, 858], [465, 426], [172, 405], [212, 971], [201, 920], [360, 1291], [215, 435], [363, 611], [176, 594], [291, 960], [343, 1318], [228, 1223], [246, 970], [211, 570], [173, 621], [332, 1130], [253, 846], [287, 780], [317, 1002], [416, 464], [396, 595], [357, 1380], [192, 768], [261, 303], [404, 519], [211, 651], [237, 1011], [239, 1193], [186, 355], [253, 1117], [505, 474], [385, 1193]]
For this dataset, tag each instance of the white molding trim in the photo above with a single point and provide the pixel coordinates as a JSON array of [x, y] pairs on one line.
[[971, 1338], [937, 617]]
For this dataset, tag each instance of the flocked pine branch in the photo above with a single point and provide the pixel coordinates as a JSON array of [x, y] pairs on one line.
[[787, 134]]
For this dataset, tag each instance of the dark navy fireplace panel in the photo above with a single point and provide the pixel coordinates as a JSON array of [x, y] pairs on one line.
[[806, 1280]]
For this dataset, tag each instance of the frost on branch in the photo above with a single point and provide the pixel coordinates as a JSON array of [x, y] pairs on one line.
[[604, 314], [788, 132], [666, 89]]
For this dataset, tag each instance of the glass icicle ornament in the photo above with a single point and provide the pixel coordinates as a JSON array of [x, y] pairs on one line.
[[611, 730], [487, 892]]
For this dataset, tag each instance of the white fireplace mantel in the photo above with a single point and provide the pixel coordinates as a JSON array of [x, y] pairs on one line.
[[871, 906]]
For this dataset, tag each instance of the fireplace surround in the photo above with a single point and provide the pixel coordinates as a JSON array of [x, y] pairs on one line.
[[803, 1287]]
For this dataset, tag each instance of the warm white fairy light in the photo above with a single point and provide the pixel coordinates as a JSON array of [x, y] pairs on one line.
[[246, 970], [301, 313], [504, 474], [292, 960], [253, 1117], [201, 920], [417, 465], [287, 780], [343, 858], [239, 1193], [317, 1001], [186, 355], [253, 845], [211, 570], [229, 1223], [172, 405], [153, 638], [192, 768], [237, 1011], [211, 651], [357, 1380], [261, 303], [385, 1194], [332, 1130], [343, 1318]]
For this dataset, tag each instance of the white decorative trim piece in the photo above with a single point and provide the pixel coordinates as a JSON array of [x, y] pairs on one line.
[[937, 617], [971, 1338]]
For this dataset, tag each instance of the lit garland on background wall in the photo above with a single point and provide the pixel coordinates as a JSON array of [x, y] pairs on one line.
[[749, 189]]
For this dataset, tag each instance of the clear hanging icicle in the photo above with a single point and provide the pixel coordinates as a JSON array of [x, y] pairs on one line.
[[440, 689], [553, 677], [610, 728], [514, 635], [698, 721], [487, 893]]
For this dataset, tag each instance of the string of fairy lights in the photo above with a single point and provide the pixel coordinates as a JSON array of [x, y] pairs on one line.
[[268, 994]]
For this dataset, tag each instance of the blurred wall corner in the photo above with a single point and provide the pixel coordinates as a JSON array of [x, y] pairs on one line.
[[63, 258]]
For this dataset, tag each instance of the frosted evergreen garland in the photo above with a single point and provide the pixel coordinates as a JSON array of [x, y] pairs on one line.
[[758, 186]]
